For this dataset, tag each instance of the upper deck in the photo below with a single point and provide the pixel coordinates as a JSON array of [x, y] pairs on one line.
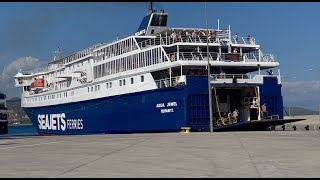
[[154, 47]]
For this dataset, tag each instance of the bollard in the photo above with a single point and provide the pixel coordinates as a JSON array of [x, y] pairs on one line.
[[307, 127], [294, 127], [185, 129]]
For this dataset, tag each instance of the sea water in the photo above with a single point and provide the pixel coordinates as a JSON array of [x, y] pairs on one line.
[[21, 130]]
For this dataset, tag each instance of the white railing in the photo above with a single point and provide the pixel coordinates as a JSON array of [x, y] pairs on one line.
[[273, 117], [193, 56], [161, 83], [233, 57], [214, 56], [167, 39], [54, 66], [81, 53], [243, 40], [268, 58], [232, 76]]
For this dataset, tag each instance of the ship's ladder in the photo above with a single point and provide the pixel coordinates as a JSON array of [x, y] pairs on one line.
[[257, 100], [220, 121]]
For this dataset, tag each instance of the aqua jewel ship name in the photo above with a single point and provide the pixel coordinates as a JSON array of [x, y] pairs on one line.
[[58, 122], [170, 106]]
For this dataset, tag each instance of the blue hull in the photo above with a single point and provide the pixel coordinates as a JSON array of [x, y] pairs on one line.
[[160, 110]]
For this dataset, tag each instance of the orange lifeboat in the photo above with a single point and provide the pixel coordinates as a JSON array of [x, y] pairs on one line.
[[37, 83]]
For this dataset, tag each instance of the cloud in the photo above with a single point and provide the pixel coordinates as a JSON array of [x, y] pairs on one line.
[[302, 87], [302, 93], [10, 70]]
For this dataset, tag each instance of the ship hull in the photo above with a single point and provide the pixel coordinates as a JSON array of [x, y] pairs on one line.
[[160, 110], [152, 111]]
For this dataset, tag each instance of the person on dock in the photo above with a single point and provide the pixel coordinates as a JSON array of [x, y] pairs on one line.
[[235, 114], [264, 110]]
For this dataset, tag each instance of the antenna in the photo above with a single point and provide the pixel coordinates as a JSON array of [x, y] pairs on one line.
[[56, 54], [151, 9]]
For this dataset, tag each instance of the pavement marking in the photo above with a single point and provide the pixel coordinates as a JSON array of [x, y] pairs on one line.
[[249, 155], [105, 155]]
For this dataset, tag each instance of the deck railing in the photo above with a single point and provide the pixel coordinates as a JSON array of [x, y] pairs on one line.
[[243, 40], [167, 39], [232, 76], [214, 56], [161, 83]]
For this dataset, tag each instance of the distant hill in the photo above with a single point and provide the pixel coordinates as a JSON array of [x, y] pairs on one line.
[[16, 113], [298, 111], [14, 99]]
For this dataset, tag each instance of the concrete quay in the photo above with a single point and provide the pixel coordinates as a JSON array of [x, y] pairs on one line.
[[196, 154]]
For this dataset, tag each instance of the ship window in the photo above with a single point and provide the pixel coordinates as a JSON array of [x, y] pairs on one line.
[[142, 78], [88, 89], [110, 84], [131, 80], [95, 88], [159, 20], [107, 84], [124, 82], [120, 82], [91, 88], [98, 87]]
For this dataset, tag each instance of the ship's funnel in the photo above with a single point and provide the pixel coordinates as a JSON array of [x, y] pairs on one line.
[[153, 23]]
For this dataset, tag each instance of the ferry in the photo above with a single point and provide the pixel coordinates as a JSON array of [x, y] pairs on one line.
[[155, 80], [3, 114]]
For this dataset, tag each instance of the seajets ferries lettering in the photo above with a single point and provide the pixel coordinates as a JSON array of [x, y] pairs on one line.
[[58, 122], [142, 32]]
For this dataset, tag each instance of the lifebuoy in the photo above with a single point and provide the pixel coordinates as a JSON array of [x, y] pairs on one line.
[[270, 58]]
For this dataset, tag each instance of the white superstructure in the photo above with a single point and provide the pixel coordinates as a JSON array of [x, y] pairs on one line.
[[160, 58]]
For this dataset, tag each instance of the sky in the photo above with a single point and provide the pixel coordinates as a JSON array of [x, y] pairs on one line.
[[31, 31]]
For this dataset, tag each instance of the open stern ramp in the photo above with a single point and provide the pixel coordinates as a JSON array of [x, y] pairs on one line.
[[255, 125]]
